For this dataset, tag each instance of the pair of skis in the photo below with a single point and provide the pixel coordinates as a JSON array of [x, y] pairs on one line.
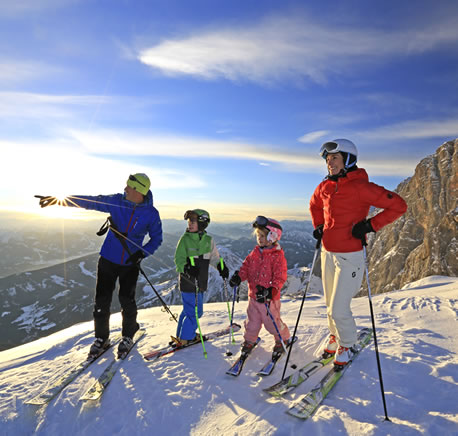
[[58, 385], [99, 386], [266, 370], [156, 354], [308, 403]]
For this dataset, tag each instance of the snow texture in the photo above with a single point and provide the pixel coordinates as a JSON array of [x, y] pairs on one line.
[[186, 394]]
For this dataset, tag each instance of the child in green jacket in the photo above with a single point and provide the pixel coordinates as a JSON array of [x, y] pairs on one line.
[[195, 243]]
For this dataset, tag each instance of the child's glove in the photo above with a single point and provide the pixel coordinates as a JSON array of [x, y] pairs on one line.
[[192, 271], [263, 295], [224, 273], [235, 280]]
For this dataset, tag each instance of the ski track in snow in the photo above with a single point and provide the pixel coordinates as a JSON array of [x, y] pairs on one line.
[[184, 393]]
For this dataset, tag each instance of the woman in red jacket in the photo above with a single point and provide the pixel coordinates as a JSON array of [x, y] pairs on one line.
[[266, 271], [339, 208]]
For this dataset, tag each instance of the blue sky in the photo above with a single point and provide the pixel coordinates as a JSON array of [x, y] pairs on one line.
[[224, 104]]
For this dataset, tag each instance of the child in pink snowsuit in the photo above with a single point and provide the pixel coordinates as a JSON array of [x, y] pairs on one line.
[[266, 271]]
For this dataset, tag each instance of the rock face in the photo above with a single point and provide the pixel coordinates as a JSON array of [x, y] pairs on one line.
[[423, 241]]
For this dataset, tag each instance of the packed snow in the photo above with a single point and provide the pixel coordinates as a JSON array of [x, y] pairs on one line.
[[185, 393]]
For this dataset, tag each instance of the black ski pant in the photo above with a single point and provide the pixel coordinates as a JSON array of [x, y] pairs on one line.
[[107, 275]]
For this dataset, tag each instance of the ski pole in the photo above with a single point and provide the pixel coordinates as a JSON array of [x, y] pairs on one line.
[[317, 249], [236, 294], [164, 304], [109, 224], [275, 325], [228, 352], [197, 314], [363, 240], [228, 306]]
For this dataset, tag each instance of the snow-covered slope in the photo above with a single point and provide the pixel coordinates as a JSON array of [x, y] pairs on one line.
[[187, 394]]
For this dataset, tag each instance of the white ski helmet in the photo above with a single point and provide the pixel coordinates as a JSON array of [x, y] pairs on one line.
[[343, 146]]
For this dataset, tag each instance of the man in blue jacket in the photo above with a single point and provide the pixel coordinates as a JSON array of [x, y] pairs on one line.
[[132, 216]]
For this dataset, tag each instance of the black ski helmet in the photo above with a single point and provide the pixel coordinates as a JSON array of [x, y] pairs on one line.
[[343, 146], [203, 217]]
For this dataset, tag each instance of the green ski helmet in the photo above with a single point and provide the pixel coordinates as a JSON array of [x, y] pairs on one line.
[[203, 217]]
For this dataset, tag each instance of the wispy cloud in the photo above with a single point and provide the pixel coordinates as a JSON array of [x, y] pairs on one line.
[[121, 142], [289, 159], [280, 47], [415, 129], [17, 71], [21, 7], [35, 106], [32, 105], [312, 137]]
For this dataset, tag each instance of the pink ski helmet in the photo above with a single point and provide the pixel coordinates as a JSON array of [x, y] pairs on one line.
[[273, 226]]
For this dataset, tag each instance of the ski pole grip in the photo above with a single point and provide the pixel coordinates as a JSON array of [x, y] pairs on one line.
[[221, 263], [192, 261]]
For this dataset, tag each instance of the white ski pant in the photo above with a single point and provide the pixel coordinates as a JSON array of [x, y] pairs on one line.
[[342, 274]]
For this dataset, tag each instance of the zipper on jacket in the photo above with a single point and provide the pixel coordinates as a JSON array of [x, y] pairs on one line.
[[127, 231]]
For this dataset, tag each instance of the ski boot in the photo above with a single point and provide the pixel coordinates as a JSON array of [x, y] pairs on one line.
[[342, 357], [98, 347], [331, 347], [125, 345]]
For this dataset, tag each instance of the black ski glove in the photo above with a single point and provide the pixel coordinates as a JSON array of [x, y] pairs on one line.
[[192, 271], [235, 280], [318, 232], [360, 229], [223, 272], [136, 258], [47, 200], [263, 295]]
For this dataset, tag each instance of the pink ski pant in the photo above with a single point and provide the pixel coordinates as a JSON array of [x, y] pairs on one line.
[[257, 316]]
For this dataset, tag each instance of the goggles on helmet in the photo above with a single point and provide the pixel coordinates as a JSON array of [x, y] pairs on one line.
[[262, 221], [134, 179], [193, 215], [329, 147]]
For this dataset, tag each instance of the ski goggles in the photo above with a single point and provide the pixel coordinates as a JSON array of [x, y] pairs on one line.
[[262, 221], [134, 179], [190, 215], [194, 216], [329, 147]]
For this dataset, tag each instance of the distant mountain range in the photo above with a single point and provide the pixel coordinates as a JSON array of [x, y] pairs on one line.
[[41, 301]]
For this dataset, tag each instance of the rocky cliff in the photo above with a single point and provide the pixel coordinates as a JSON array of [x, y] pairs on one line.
[[423, 242]]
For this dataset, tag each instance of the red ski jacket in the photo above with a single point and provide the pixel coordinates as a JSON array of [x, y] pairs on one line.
[[266, 267], [340, 204]]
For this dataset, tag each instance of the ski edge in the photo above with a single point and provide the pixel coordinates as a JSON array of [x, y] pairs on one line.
[[309, 403], [97, 389], [51, 392]]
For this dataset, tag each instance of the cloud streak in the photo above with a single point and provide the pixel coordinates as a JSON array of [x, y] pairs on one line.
[[289, 159], [278, 48], [414, 129], [17, 71]]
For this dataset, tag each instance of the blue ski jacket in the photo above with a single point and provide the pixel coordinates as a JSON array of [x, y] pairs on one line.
[[131, 219]]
